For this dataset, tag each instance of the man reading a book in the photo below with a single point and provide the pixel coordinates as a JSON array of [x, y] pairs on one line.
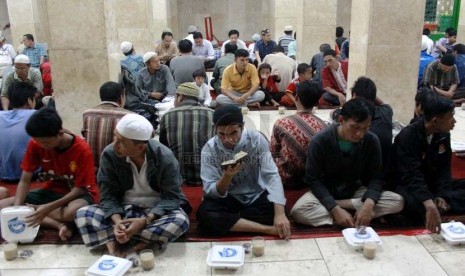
[[247, 195]]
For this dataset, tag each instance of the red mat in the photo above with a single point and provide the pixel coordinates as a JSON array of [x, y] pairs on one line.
[[194, 195]]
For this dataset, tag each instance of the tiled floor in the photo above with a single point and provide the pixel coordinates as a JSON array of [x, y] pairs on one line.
[[399, 255]]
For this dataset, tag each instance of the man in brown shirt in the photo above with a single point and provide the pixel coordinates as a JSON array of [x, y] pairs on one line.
[[167, 48]]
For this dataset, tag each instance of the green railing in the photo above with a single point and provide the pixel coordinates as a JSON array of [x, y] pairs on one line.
[[439, 21]]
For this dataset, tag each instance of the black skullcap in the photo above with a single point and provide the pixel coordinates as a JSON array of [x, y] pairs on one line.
[[448, 60], [228, 115]]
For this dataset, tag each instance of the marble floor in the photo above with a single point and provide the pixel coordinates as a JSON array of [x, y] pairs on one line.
[[399, 255]]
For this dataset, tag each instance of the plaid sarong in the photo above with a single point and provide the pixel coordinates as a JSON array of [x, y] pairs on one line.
[[95, 230]]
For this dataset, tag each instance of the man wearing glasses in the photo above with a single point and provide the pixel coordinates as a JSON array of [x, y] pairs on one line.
[[22, 73]]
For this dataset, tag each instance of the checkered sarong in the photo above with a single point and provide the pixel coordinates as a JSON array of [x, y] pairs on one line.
[[95, 230]]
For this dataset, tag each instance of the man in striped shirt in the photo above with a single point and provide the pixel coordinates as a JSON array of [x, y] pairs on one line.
[[100, 122], [185, 129]]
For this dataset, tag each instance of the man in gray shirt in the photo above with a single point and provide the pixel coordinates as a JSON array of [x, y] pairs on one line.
[[155, 81], [184, 65], [223, 62], [248, 195]]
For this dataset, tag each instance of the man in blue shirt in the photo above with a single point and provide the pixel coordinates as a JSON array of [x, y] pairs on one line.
[[132, 62], [34, 51], [264, 46], [12, 126], [459, 53], [247, 196]]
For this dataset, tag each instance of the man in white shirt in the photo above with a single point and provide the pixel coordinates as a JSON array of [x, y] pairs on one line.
[[284, 65], [7, 54], [234, 39], [204, 49]]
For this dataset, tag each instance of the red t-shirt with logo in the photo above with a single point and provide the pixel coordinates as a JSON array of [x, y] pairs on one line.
[[64, 169]]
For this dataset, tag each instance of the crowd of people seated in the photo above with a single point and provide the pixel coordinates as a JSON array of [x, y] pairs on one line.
[[122, 188]]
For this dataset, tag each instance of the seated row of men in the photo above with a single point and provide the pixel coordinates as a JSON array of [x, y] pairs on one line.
[[141, 199]]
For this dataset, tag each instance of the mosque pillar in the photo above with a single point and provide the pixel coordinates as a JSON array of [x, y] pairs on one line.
[[316, 24], [82, 55], [28, 17], [385, 45], [461, 25]]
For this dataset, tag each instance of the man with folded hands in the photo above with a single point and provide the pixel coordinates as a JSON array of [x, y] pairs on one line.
[[141, 198]]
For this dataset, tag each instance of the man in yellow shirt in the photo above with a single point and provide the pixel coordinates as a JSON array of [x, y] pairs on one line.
[[240, 82]]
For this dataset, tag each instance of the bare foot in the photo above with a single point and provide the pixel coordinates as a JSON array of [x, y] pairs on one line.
[[64, 232], [141, 246], [256, 104], [114, 249]]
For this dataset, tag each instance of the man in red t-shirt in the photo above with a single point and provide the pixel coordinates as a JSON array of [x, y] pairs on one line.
[[67, 170]]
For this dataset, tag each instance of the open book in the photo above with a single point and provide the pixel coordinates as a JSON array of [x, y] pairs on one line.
[[238, 157]]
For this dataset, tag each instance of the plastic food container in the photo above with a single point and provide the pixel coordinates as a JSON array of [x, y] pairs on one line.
[[356, 240], [109, 266], [453, 232], [226, 256], [13, 225]]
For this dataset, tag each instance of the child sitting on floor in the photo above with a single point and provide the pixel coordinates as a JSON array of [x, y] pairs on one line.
[[268, 80], [204, 96], [67, 172]]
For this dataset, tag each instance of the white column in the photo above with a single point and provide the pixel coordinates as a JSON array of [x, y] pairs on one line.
[[385, 46], [316, 24]]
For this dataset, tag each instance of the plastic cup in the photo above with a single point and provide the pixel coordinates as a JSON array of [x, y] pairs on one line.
[[463, 106], [258, 246], [245, 110], [281, 110], [147, 259], [10, 250], [369, 250]]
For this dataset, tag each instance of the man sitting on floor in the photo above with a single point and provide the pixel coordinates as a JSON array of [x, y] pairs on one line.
[[185, 129], [334, 78], [100, 122], [292, 134], [381, 123], [24, 73], [344, 172], [240, 82], [420, 166], [141, 196], [68, 172], [12, 127], [247, 196], [442, 76]]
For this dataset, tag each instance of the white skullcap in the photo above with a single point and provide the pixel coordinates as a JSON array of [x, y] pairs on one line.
[[135, 127], [126, 46], [22, 59], [192, 29], [148, 56], [256, 37], [424, 43], [288, 28]]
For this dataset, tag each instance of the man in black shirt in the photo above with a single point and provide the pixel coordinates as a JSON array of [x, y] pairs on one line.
[[420, 165]]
